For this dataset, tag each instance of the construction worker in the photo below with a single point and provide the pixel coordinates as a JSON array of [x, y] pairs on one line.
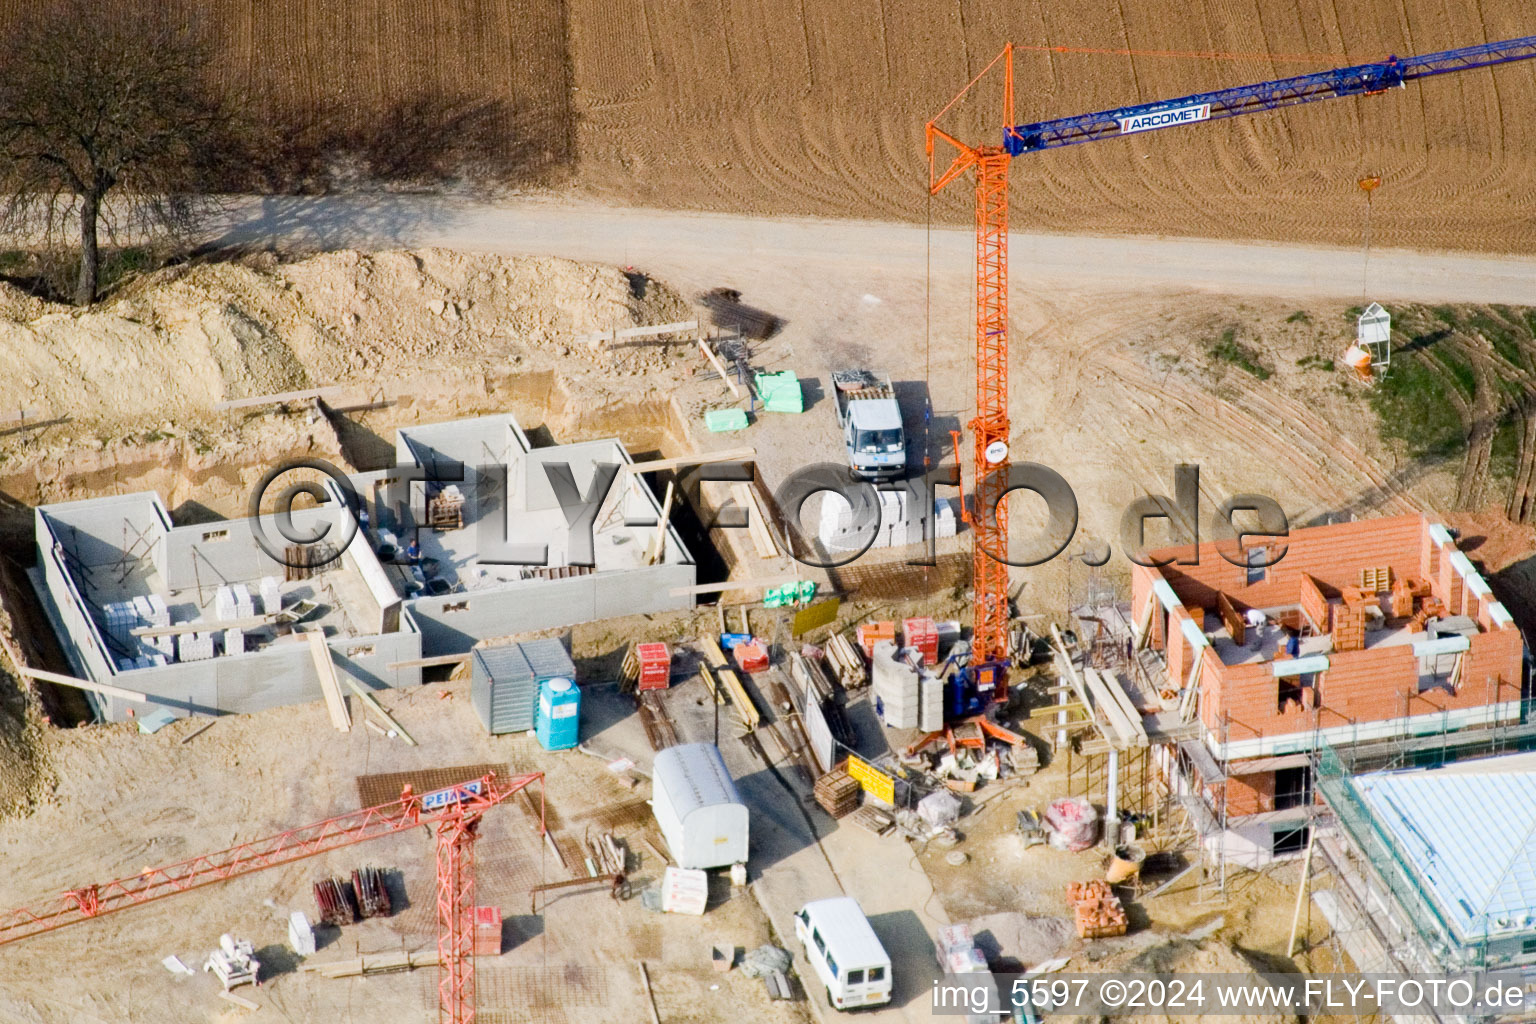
[[413, 552]]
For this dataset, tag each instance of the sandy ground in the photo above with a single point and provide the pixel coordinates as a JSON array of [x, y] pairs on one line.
[[124, 801], [1112, 386]]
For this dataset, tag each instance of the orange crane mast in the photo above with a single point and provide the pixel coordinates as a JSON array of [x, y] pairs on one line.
[[986, 513]]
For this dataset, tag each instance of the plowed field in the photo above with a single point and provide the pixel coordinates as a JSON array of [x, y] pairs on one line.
[[790, 107], [799, 107]]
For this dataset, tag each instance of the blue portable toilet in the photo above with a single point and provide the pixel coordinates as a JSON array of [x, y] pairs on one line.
[[559, 710]]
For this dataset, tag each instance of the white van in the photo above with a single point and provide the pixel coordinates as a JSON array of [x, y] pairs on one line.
[[844, 952]]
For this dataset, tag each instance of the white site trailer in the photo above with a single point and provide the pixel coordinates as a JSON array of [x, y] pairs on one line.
[[701, 815]]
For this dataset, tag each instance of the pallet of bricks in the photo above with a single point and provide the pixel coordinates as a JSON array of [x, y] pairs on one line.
[[646, 667], [837, 792], [1096, 910], [922, 635]]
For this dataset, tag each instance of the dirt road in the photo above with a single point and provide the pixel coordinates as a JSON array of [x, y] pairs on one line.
[[683, 247]]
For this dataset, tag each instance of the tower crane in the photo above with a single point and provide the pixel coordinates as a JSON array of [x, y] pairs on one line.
[[454, 811], [986, 512]]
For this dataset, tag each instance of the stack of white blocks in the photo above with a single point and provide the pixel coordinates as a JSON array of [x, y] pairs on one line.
[[234, 641], [943, 518], [122, 620], [897, 686], [194, 646], [233, 601], [271, 595], [930, 714]]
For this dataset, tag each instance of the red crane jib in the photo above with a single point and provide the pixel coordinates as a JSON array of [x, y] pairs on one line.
[[459, 812]]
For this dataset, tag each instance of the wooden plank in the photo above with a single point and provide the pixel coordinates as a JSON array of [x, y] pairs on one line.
[[280, 397], [762, 538], [1052, 709], [708, 675], [658, 544], [441, 659], [650, 998], [717, 588], [249, 622], [720, 368], [699, 459], [713, 655], [375, 964], [104, 689], [614, 334], [364, 695], [1132, 714], [1106, 705], [335, 700], [239, 1001]]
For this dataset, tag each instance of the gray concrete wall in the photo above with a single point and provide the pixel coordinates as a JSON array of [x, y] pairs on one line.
[[448, 628], [228, 552], [77, 632], [462, 441], [96, 531], [281, 674]]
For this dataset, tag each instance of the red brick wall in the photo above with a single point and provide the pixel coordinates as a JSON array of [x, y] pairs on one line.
[[1490, 674], [1250, 794], [1334, 555], [1360, 686]]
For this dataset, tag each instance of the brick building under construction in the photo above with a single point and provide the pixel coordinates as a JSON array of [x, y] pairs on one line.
[[1371, 634]]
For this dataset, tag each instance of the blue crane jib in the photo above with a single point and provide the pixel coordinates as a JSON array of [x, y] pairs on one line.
[[1360, 80]]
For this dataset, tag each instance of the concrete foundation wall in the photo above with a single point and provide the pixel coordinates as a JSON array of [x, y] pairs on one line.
[[211, 554], [454, 623], [279, 675], [461, 441], [96, 532]]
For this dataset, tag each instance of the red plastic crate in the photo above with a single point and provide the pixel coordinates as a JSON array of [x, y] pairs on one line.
[[487, 931], [751, 657]]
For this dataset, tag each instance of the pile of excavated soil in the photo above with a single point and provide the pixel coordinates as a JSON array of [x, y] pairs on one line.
[[178, 341]]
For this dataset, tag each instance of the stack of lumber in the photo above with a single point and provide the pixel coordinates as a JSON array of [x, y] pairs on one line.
[[1096, 910], [608, 856], [847, 664], [445, 510], [837, 792], [378, 963]]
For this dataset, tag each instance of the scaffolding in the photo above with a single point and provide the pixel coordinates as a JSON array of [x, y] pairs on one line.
[[1379, 874]]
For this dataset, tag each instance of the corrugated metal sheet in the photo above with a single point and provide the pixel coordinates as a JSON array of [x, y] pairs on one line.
[[1471, 839], [548, 659], [504, 681]]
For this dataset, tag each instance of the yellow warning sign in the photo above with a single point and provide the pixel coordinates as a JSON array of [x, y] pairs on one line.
[[872, 780], [818, 614]]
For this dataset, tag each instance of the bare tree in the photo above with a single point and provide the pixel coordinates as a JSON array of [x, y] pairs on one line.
[[109, 120]]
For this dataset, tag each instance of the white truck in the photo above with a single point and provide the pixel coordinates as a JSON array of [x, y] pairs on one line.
[[870, 416]]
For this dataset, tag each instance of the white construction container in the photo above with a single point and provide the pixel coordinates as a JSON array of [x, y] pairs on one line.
[[702, 817]]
